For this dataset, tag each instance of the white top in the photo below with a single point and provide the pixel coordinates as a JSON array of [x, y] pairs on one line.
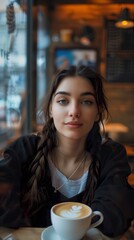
[[70, 187]]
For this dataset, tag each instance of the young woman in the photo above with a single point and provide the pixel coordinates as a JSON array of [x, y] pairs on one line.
[[68, 160]]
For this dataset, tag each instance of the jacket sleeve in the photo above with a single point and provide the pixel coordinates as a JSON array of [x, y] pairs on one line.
[[114, 197], [10, 181]]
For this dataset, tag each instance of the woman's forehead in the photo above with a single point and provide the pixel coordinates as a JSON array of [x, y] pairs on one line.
[[76, 83]]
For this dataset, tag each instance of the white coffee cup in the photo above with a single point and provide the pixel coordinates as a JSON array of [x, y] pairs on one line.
[[71, 220]]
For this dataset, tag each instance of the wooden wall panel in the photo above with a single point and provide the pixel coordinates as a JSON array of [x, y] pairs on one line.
[[121, 101]]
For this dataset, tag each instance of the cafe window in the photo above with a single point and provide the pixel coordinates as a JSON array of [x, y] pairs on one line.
[[23, 79], [13, 25]]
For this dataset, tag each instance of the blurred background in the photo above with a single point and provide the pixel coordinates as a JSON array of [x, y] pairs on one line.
[[37, 38]]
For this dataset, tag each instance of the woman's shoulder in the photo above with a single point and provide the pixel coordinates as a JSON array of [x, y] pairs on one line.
[[24, 146], [26, 140], [114, 158], [113, 150], [111, 145]]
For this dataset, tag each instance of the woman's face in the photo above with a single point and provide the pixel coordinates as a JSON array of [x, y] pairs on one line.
[[74, 109]]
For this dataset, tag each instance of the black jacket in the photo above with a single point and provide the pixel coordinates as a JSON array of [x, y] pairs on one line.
[[113, 196]]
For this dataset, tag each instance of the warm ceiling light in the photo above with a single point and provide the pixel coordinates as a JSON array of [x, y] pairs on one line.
[[124, 20]]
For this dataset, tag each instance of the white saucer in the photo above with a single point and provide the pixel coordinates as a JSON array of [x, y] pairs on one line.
[[50, 234]]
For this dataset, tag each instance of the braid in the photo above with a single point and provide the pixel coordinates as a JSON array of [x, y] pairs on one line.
[[32, 194], [93, 144]]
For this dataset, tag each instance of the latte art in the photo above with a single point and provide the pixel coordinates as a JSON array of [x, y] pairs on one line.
[[72, 210]]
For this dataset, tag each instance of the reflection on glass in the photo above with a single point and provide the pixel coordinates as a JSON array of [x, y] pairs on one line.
[[12, 70]]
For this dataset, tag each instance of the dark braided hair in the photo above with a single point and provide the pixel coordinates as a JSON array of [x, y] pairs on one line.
[[47, 141]]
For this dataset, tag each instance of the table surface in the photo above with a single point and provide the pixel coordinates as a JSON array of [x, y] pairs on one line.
[[29, 233], [22, 233]]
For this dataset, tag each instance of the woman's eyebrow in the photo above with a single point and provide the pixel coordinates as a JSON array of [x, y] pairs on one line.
[[62, 93], [68, 94]]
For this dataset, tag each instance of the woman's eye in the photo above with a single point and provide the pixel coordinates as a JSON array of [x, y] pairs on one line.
[[86, 102], [63, 101]]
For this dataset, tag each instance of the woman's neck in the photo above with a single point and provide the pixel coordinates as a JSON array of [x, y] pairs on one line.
[[72, 150], [70, 157], [71, 160]]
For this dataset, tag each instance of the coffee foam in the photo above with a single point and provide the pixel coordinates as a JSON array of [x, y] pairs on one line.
[[72, 210]]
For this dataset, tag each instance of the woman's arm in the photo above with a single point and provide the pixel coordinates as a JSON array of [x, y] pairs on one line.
[[11, 173], [9, 193], [114, 197]]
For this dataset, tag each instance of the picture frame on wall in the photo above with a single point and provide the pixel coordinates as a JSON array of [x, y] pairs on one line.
[[65, 57]]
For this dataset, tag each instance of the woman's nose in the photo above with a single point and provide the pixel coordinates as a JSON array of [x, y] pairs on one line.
[[74, 111]]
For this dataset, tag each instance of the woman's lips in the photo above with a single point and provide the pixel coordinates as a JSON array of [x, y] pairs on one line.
[[73, 124]]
